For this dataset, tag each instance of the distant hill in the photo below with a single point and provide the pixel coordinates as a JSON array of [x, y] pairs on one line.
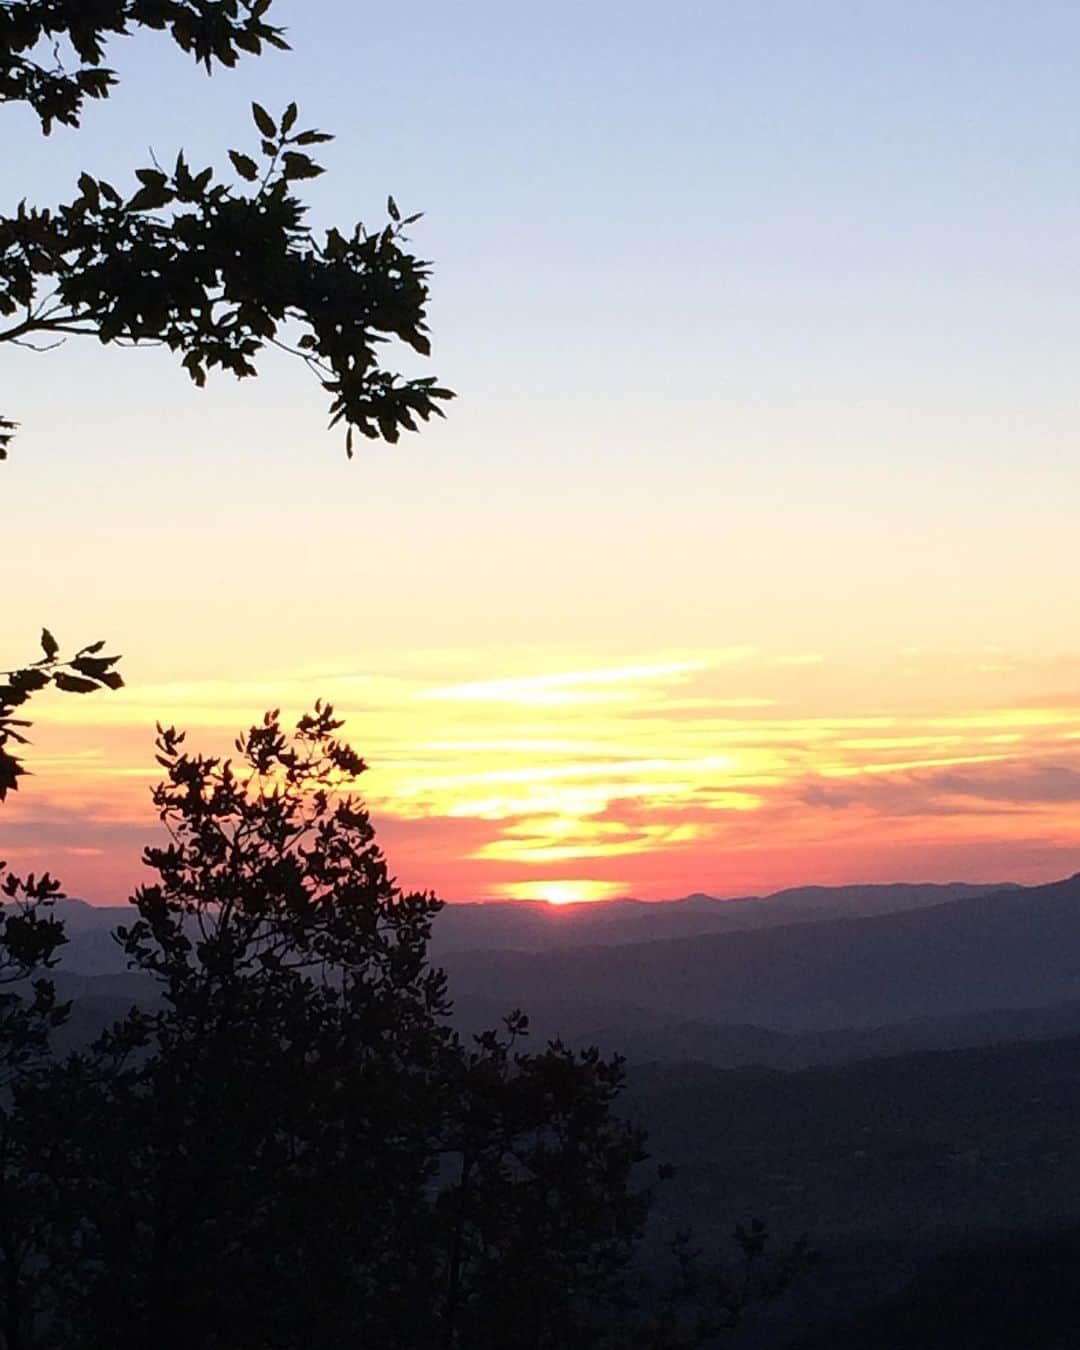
[[634, 1032], [538, 926], [1022, 1293], [524, 925], [1008, 949], [887, 1164], [762, 985], [974, 968], [641, 1039], [90, 948]]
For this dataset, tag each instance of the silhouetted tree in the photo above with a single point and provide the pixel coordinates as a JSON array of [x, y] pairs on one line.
[[305, 1154], [289, 1146]]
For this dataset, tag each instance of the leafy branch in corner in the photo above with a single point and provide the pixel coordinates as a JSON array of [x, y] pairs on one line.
[[75, 34]]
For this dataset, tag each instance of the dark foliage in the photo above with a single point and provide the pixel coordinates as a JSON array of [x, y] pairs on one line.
[[84, 673], [215, 270], [33, 30], [292, 1147]]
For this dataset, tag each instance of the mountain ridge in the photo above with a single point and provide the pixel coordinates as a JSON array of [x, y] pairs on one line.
[[536, 925], [1008, 948]]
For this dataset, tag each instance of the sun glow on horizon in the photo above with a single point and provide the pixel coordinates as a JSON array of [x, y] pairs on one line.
[[561, 893]]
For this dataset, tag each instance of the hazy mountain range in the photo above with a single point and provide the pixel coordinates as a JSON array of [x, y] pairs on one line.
[[780, 980], [529, 925], [1007, 949], [894, 1069]]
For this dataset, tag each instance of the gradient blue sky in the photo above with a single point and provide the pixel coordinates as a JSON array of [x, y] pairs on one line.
[[764, 323]]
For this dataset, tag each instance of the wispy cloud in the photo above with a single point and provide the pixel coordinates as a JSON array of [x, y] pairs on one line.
[[627, 773]]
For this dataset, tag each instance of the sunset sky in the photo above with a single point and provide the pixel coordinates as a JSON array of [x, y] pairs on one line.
[[747, 556]]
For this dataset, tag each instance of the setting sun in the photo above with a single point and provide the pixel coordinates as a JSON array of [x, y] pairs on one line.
[[562, 892]]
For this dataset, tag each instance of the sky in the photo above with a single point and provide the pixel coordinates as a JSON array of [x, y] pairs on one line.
[[746, 556]]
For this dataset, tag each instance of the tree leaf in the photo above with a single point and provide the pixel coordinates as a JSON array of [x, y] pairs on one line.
[[244, 165], [73, 684], [263, 120], [299, 166]]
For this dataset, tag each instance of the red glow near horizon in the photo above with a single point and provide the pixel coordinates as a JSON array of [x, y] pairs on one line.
[[729, 774]]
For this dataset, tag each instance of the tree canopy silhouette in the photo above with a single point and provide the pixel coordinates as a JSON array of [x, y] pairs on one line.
[[288, 1145]]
